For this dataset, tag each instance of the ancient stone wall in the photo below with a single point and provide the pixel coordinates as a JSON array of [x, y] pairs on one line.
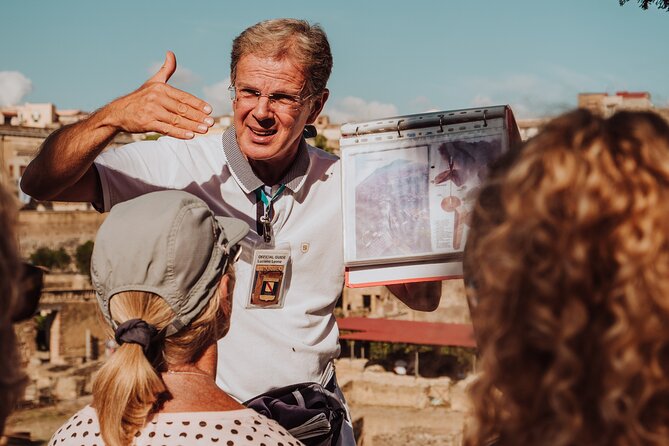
[[77, 312], [55, 229], [453, 306], [77, 318], [393, 410], [26, 333]]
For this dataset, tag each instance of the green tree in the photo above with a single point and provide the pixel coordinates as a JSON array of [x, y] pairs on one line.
[[661, 4], [380, 351], [321, 142], [82, 257], [50, 258]]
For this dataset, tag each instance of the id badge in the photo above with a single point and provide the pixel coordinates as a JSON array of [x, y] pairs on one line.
[[268, 276]]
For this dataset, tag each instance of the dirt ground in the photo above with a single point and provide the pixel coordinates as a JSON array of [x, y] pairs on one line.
[[389, 426], [38, 424]]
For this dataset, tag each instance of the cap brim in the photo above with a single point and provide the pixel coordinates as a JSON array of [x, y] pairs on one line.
[[234, 229]]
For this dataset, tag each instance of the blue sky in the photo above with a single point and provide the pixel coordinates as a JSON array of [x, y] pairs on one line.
[[390, 57]]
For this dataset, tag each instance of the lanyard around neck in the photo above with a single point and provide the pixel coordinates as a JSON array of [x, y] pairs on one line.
[[260, 193], [265, 217]]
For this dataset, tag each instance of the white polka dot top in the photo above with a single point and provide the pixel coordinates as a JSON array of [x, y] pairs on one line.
[[243, 427]]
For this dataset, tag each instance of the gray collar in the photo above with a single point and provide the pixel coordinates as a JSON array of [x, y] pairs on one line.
[[242, 172]]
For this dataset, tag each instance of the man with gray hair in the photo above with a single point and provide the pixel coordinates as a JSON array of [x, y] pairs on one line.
[[261, 170]]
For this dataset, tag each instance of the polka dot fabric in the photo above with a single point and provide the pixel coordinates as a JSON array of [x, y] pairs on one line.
[[243, 427]]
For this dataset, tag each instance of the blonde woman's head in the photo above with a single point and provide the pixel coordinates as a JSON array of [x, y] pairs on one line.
[[162, 272]]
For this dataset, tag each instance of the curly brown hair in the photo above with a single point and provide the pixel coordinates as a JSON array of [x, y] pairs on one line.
[[567, 266]]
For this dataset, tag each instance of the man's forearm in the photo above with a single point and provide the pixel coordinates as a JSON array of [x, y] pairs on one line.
[[66, 156], [63, 167]]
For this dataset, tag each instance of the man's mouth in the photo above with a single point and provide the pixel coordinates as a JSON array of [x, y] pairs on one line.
[[262, 132]]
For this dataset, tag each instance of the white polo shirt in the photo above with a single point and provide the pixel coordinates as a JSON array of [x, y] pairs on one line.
[[265, 348]]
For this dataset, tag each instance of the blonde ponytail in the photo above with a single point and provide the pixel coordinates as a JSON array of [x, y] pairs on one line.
[[128, 388], [124, 393]]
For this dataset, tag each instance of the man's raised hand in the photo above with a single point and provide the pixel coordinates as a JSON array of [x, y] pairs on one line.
[[156, 106]]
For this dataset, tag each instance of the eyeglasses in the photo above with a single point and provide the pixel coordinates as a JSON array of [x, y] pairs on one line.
[[30, 289], [281, 102]]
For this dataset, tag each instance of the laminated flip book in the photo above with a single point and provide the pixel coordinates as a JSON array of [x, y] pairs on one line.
[[409, 184]]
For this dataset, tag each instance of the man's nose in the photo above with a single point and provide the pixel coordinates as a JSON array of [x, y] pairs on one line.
[[262, 111]]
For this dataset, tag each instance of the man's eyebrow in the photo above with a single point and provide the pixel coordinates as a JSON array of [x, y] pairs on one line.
[[244, 86]]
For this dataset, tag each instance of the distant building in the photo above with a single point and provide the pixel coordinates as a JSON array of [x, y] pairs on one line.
[[66, 117], [331, 132], [606, 105], [602, 104], [30, 115], [530, 127], [23, 128]]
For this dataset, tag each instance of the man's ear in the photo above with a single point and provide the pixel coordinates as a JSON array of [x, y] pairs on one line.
[[319, 103]]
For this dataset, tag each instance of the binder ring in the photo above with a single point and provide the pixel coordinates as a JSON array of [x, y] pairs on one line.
[[441, 124], [398, 128], [485, 120]]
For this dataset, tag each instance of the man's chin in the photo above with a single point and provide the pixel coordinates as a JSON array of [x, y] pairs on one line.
[[258, 152]]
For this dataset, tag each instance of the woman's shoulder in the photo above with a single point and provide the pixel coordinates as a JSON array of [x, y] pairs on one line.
[[82, 427], [242, 427]]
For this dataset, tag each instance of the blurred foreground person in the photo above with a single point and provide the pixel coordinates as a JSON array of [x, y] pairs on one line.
[[12, 379], [162, 273], [568, 279]]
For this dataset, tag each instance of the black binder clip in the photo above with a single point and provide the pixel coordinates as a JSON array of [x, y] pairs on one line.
[[309, 131]]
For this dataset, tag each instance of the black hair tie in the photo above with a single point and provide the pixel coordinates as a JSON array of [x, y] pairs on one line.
[[136, 331]]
